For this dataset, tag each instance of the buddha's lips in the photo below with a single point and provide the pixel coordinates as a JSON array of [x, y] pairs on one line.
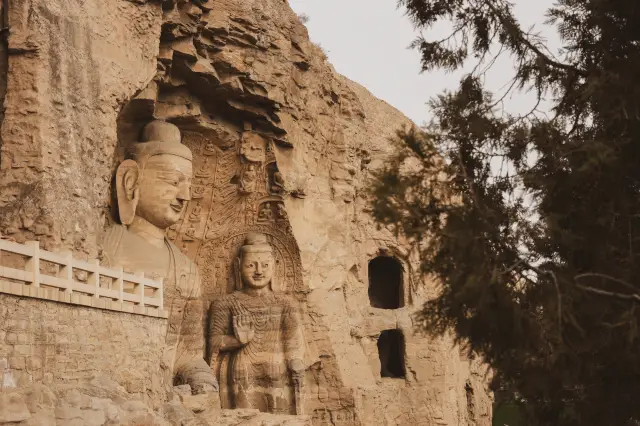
[[177, 207]]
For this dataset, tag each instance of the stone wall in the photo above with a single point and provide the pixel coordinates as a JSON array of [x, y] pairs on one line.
[[59, 344]]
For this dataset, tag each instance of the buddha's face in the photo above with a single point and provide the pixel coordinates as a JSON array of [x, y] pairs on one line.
[[256, 269], [164, 189]]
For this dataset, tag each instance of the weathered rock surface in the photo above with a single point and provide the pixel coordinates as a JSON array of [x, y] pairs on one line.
[[99, 402], [102, 402]]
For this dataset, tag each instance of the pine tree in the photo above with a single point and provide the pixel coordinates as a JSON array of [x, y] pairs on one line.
[[531, 222]]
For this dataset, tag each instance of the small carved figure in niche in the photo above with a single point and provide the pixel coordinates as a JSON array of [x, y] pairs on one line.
[[282, 212], [256, 338], [250, 212], [253, 147], [210, 149], [194, 216], [198, 192], [205, 171], [190, 234], [266, 214], [248, 180], [153, 188], [276, 181]]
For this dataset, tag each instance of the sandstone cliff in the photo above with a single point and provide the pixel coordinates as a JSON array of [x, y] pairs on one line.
[[85, 75]]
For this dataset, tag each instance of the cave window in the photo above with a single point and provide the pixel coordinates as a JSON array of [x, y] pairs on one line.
[[385, 283], [391, 352]]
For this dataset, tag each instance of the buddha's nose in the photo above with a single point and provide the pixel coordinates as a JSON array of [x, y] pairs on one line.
[[258, 269], [184, 192]]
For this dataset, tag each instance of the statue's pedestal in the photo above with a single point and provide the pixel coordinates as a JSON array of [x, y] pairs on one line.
[[204, 409], [256, 418]]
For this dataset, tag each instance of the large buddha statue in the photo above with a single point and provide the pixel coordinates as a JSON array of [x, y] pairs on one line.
[[153, 187], [256, 336]]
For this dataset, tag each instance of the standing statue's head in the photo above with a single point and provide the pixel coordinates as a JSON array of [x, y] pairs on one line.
[[154, 182], [256, 262]]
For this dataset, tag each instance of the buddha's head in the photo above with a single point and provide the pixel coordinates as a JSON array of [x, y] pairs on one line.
[[154, 181], [256, 262]]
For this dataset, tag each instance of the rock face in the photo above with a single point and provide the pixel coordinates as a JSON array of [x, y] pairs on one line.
[[282, 145]]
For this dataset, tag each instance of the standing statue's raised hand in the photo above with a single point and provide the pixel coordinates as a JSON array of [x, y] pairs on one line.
[[242, 329]]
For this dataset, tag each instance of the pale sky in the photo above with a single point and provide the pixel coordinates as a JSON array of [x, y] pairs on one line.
[[367, 41]]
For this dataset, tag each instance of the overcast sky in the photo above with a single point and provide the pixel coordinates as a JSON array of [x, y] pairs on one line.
[[367, 41]]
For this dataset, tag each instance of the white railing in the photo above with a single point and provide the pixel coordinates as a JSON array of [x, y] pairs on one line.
[[123, 292]]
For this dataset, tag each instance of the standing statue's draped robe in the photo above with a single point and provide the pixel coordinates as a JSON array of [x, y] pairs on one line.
[[256, 375], [184, 353]]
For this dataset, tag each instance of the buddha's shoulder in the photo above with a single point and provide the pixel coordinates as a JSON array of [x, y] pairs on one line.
[[113, 234], [285, 300], [117, 237], [112, 240], [227, 300]]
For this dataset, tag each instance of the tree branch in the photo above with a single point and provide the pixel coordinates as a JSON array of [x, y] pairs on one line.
[[524, 40], [606, 277], [632, 296]]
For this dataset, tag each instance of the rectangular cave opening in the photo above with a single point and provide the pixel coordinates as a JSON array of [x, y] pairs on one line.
[[391, 348]]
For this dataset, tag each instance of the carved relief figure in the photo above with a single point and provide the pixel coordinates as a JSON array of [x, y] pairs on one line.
[[205, 171], [210, 149], [253, 147], [198, 191], [194, 216], [190, 234], [257, 337], [265, 214], [153, 188], [276, 181], [282, 212], [248, 180]]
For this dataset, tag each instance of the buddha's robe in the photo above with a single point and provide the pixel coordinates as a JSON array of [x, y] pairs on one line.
[[184, 352]]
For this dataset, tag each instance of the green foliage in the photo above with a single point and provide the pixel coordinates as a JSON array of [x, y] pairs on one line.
[[532, 222], [508, 414]]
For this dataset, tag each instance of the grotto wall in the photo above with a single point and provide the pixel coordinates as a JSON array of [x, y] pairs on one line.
[[282, 145]]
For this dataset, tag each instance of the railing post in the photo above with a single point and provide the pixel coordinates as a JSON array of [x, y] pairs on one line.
[[66, 272], [161, 294], [141, 288], [120, 284], [33, 264], [94, 278]]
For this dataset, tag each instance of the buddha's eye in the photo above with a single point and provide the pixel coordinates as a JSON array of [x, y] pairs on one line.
[[265, 265]]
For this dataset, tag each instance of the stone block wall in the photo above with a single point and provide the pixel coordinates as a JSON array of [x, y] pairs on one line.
[[55, 343]]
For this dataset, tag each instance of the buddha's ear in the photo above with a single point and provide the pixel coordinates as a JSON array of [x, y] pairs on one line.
[[128, 190]]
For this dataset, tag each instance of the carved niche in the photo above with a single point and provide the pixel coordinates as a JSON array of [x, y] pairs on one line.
[[256, 338], [215, 226], [232, 125]]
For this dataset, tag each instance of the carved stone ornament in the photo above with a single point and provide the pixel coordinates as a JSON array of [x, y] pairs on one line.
[[266, 213], [153, 189], [248, 180], [253, 147], [256, 337]]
